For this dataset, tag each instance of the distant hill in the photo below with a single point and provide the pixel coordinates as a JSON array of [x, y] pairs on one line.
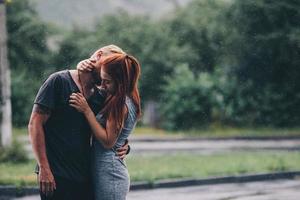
[[83, 12]]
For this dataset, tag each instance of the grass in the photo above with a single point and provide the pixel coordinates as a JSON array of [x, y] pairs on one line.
[[19, 131], [19, 174], [203, 166], [157, 167]]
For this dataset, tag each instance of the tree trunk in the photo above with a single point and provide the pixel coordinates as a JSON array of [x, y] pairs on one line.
[[5, 103]]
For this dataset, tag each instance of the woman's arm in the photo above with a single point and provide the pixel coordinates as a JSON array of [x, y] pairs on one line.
[[108, 136]]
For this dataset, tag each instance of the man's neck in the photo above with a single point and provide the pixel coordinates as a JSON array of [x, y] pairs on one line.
[[84, 81]]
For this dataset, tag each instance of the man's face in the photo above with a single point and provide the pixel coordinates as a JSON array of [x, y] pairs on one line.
[[97, 58], [96, 77]]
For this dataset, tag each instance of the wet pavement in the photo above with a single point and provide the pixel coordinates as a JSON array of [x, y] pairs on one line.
[[201, 146], [214, 146], [263, 190]]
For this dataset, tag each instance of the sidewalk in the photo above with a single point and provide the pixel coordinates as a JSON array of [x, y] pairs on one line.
[[265, 190], [11, 191]]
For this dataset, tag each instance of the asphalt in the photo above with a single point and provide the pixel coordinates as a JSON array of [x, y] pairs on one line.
[[214, 146], [167, 145], [262, 190], [266, 190]]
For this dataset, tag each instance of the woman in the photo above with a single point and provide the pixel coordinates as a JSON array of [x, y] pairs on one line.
[[112, 126]]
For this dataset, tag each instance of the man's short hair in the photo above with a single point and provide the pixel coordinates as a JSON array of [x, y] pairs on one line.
[[106, 51], [111, 49]]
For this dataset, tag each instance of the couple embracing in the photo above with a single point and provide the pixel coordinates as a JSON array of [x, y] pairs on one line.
[[79, 126]]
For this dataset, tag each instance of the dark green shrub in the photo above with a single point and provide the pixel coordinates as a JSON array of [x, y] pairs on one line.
[[187, 100], [15, 153]]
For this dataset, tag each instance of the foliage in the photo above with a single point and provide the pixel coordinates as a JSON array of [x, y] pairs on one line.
[[264, 42], [246, 51], [200, 28], [14, 154], [72, 49], [187, 99], [28, 56]]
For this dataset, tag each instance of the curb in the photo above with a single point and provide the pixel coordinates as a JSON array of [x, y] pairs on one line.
[[171, 139], [215, 180], [13, 191]]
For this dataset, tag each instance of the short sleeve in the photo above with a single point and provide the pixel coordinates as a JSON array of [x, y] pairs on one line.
[[47, 94]]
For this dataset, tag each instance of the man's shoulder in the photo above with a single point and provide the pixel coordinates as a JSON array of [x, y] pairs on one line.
[[60, 76]]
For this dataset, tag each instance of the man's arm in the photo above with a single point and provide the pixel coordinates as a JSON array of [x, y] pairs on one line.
[[39, 116]]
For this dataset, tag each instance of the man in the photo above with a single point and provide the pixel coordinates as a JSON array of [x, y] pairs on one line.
[[60, 135]]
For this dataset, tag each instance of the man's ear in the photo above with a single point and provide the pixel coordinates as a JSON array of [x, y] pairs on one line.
[[99, 54]]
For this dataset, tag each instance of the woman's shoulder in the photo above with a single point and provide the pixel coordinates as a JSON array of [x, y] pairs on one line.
[[129, 102], [131, 108]]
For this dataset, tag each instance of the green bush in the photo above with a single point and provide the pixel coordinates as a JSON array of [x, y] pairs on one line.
[[15, 153], [187, 101]]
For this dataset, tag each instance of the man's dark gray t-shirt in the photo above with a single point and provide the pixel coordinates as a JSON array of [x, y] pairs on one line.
[[67, 133]]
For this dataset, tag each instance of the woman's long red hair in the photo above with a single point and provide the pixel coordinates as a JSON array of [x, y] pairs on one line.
[[125, 71]]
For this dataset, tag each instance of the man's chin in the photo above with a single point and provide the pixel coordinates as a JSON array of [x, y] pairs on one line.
[[102, 89]]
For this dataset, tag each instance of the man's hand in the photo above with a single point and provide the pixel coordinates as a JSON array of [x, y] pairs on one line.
[[86, 65], [123, 151], [46, 181]]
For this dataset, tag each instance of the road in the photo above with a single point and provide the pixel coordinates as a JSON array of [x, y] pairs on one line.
[[200, 146], [264, 190], [214, 146]]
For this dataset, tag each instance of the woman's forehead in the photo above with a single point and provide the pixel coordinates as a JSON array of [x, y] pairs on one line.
[[105, 75]]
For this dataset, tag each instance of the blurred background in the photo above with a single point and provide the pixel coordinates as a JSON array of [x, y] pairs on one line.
[[228, 62], [210, 69]]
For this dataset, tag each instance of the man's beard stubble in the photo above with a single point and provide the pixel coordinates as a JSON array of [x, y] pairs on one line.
[[96, 78]]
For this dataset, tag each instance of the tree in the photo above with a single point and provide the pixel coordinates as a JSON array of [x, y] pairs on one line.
[[5, 103], [29, 57], [265, 42], [199, 27]]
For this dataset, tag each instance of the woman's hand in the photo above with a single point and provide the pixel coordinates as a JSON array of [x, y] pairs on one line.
[[86, 65], [78, 101]]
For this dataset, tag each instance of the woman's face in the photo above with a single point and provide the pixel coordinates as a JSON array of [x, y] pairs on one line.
[[107, 83]]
